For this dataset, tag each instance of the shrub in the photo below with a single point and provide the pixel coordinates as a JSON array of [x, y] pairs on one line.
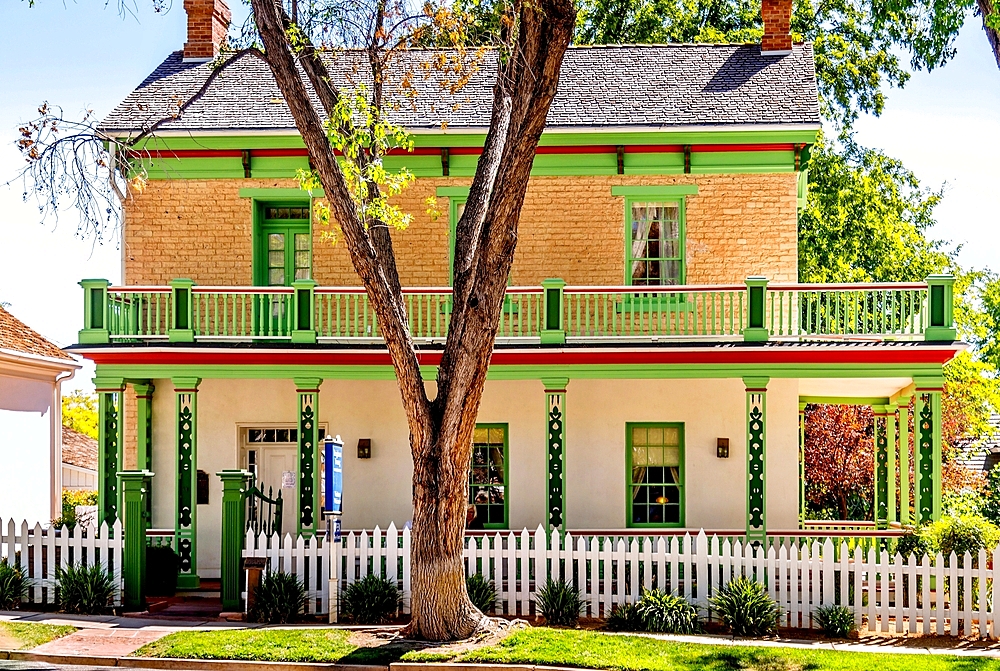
[[71, 498], [835, 621], [371, 600], [482, 593], [667, 613], [626, 617], [746, 608], [967, 533], [162, 566], [280, 598], [915, 542], [87, 590], [13, 586], [559, 603]]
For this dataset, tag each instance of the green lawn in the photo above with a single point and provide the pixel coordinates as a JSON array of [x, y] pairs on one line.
[[558, 647], [605, 651], [24, 635], [268, 645]]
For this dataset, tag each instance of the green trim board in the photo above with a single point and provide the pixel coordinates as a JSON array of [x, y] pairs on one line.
[[482, 483], [278, 195], [642, 508], [665, 191], [671, 371], [845, 400]]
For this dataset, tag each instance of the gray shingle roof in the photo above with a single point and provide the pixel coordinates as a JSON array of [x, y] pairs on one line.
[[613, 86]]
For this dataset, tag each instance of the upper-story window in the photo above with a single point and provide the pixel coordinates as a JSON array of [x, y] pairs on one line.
[[284, 247], [655, 253]]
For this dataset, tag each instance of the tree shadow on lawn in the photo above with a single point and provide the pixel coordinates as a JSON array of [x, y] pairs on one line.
[[767, 660]]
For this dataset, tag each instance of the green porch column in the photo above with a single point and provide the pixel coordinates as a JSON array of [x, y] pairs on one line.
[[235, 484], [555, 428], [135, 487], [186, 526], [110, 456], [309, 503], [756, 391], [802, 465], [927, 449], [882, 466], [904, 459], [144, 435]]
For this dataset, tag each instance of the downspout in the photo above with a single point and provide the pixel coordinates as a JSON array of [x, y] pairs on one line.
[[55, 445]]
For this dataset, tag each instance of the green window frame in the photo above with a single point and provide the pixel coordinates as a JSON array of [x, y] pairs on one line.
[[489, 481], [457, 197], [282, 245], [654, 474], [655, 243]]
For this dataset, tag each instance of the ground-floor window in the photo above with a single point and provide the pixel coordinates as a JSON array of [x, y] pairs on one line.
[[655, 473], [488, 477]]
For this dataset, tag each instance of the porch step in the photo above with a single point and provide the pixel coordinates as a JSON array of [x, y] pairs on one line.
[[200, 594]]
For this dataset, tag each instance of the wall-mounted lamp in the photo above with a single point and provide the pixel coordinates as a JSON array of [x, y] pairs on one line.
[[722, 448], [364, 448]]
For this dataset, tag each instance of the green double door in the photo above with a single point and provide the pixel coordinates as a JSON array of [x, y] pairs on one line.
[[283, 255]]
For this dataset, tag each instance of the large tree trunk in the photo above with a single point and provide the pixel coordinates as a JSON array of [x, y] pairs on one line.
[[441, 430], [986, 8]]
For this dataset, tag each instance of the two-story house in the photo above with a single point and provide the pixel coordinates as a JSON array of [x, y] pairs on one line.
[[654, 355]]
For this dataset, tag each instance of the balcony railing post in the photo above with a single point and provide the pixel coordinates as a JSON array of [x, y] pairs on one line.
[[304, 311], [553, 330], [756, 330], [181, 311], [941, 304], [95, 312]]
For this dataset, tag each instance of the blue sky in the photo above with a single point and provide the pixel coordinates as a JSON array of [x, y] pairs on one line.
[[944, 125]]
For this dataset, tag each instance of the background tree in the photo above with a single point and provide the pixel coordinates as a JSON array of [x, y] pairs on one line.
[[838, 460], [346, 135], [79, 412]]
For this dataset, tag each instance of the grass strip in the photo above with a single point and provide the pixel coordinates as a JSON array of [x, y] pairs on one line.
[[26, 635], [633, 653]]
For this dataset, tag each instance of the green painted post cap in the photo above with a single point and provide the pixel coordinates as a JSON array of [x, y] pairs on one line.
[[553, 283], [181, 283], [756, 281], [93, 283]]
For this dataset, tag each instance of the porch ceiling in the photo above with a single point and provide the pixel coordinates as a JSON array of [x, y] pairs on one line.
[[853, 387]]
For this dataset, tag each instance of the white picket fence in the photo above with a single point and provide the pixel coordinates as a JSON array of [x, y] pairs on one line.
[[40, 552], [307, 558], [940, 595]]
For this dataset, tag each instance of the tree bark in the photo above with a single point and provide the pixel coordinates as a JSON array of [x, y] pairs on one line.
[[441, 430], [986, 8]]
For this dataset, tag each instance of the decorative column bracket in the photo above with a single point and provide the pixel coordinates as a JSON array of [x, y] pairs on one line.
[[927, 450], [110, 455], [186, 527], [309, 503], [756, 391], [555, 425]]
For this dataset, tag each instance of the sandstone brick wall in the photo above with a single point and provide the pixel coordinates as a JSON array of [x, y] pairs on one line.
[[571, 227]]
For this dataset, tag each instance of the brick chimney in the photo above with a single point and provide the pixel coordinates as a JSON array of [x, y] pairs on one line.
[[777, 15], [208, 22]]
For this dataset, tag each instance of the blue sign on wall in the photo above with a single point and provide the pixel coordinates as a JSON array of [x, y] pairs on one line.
[[334, 449]]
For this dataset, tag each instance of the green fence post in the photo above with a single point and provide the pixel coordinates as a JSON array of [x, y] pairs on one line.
[[234, 488], [941, 308], [756, 330], [553, 329], [181, 311], [135, 487], [304, 311], [95, 312]]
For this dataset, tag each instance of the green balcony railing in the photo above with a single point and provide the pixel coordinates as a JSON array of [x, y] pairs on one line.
[[552, 313]]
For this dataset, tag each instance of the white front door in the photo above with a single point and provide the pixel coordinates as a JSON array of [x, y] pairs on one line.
[[270, 454]]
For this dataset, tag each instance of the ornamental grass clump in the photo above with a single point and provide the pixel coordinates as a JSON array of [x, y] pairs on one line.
[[835, 621], [746, 608], [280, 599], [667, 614], [371, 600], [482, 592], [559, 603], [625, 617], [13, 586], [85, 590]]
